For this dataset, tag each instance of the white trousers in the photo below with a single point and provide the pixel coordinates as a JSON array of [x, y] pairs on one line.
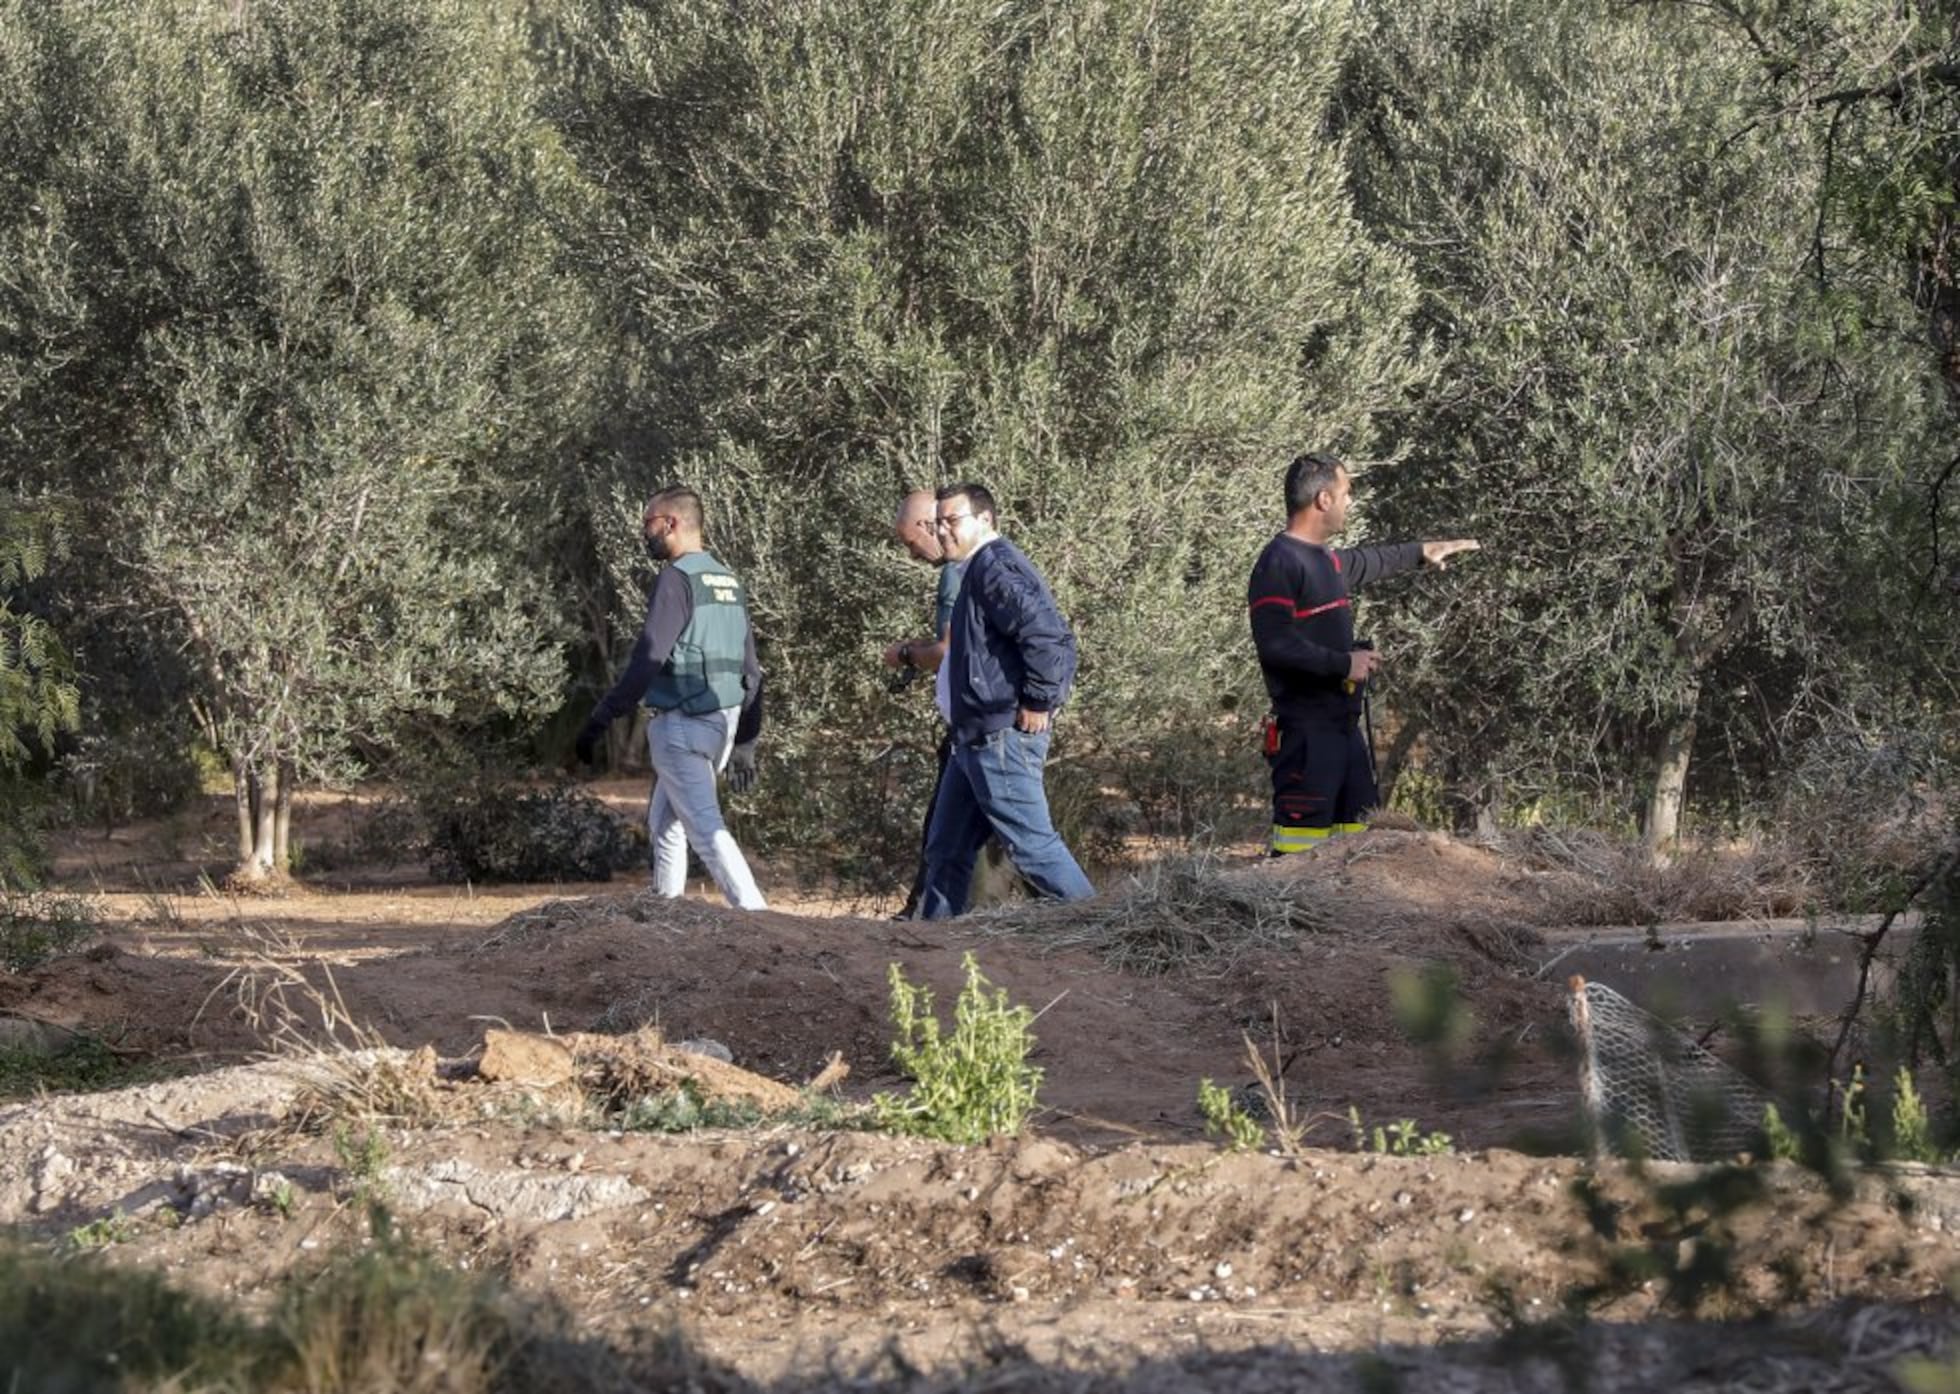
[[687, 753]]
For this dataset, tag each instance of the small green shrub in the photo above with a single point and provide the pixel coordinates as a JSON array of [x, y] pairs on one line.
[[683, 1110], [496, 832], [969, 1085], [82, 1066], [114, 1228], [1912, 1127], [1784, 1144], [1224, 1118], [36, 926], [1402, 1138], [363, 1157]]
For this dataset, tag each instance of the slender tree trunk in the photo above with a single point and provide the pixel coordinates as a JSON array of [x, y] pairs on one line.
[[262, 822], [241, 793], [1677, 744], [282, 821], [256, 813], [1391, 762]]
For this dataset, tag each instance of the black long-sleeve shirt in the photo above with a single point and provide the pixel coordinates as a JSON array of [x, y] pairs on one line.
[[1303, 618], [669, 608]]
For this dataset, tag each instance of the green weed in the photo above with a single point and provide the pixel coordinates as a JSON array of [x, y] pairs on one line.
[[84, 1065], [363, 1157], [1402, 1138], [683, 1110], [1224, 1118], [969, 1085], [113, 1228]]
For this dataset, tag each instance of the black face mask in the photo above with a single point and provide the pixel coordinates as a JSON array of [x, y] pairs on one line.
[[657, 547]]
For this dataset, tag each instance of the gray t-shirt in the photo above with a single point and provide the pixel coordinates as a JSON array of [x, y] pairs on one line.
[[950, 576]]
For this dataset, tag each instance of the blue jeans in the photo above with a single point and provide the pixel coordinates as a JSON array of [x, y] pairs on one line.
[[995, 785]]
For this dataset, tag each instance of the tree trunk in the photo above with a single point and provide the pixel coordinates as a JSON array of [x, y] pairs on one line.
[[1389, 765], [282, 820], [241, 793], [262, 821], [256, 821], [1677, 744]]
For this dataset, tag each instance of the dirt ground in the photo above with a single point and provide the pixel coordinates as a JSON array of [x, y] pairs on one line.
[[1112, 1241]]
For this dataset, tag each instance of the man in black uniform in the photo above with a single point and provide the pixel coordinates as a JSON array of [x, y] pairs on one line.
[[1303, 628]]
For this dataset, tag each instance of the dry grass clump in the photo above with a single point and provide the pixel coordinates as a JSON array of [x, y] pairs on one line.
[[352, 1073], [1174, 915], [354, 1078], [622, 1069], [1601, 879]]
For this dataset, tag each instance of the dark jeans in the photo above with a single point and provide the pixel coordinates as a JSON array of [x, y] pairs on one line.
[[918, 891], [995, 786]]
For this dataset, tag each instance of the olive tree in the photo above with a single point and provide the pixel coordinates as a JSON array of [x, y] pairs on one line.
[[284, 294], [1673, 443], [1099, 257], [37, 692]]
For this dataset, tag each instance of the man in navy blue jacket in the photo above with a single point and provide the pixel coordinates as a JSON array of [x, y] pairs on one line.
[[1010, 659]]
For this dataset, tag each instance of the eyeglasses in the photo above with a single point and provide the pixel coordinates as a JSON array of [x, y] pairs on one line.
[[947, 522]]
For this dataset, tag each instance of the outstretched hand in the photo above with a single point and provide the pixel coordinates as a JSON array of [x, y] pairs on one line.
[[1437, 553]]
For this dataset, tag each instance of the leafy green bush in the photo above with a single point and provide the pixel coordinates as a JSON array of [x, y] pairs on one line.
[[971, 1084], [36, 926], [494, 832]]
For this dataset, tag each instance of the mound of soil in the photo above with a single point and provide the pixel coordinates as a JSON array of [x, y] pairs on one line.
[[1122, 1054]]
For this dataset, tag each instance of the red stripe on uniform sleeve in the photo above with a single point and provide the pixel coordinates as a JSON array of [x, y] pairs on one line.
[[1285, 600], [1340, 604]]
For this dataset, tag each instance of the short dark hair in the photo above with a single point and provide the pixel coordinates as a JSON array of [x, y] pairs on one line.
[[684, 503], [1307, 476], [976, 495]]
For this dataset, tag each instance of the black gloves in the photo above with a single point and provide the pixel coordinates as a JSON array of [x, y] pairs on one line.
[[586, 747], [741, 768]]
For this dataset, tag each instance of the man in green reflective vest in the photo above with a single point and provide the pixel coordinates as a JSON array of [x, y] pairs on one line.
[[695, 668]]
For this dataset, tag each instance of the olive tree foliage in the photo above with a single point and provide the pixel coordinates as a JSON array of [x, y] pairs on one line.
[[1675, 447], [1098, 257], [281, 293], [37, 692], [1869, 93]]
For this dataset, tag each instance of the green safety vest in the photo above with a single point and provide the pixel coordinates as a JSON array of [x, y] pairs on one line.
[[704, 673]]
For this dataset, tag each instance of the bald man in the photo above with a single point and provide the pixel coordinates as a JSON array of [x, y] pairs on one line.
[[917, 534]]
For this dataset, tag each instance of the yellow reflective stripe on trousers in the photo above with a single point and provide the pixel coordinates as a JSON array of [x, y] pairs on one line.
[[1350, 827], [1297, 839]]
